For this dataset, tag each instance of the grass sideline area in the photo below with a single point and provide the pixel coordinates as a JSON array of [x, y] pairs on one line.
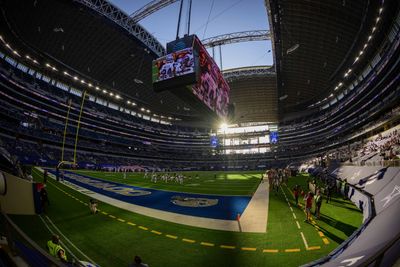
[[114, 236], [241, 183]]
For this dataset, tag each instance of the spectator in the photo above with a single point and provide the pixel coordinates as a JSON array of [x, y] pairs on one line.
[[309, 200], [55, 248], [44, 199], [329, 189], [137, 262], [93, 206], [296, 192], [318, 202]]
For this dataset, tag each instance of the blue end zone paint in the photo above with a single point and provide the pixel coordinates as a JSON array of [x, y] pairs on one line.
[[227, 208]]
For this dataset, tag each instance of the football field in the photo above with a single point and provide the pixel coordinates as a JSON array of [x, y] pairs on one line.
[[207, 182], [114, 236]]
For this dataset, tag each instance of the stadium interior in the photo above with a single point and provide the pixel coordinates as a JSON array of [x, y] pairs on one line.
[[121, 145]]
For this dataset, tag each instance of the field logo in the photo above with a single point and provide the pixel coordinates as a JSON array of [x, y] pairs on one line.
[[122, 190], [193, 202]]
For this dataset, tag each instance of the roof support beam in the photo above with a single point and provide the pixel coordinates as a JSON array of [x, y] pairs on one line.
[[237, 37]]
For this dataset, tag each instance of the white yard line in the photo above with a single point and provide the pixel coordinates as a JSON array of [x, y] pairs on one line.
[[69, 241], [304, 240]]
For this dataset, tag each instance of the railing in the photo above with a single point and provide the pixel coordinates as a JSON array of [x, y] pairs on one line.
[[381, 163]]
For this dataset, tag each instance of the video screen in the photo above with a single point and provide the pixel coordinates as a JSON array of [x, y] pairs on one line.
[[212, 89], [214, 141], [273, 136], [173, 65]]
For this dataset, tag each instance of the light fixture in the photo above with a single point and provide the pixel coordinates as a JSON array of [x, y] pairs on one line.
[[82, 81], [75, 78], [369, 37], [117, 97], [357, 58], [138, 81], [128, 102], [90, 85], [133, 104], [104, 91], [292, 49], [111, 93], [380, 10], [97, 88], [47, 65], [66, 73], [223, 126], [378, 18], [373, 29]]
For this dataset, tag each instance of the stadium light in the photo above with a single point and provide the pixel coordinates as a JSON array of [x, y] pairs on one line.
[[138, 81], [223, 126], [283, 97]]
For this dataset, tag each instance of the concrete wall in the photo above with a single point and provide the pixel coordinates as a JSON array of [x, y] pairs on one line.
[[18, 198]]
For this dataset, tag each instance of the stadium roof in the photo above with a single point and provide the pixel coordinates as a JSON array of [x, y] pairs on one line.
[[80, 40], [314, 41], [98, 42]]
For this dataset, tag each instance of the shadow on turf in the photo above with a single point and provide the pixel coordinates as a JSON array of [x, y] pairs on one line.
[[347, 229], [344, 204]]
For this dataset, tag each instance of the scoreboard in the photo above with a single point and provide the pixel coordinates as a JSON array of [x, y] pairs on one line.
[[192, 74]]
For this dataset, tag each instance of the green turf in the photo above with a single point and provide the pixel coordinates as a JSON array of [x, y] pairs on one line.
[[218, 183], [113, 243]]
